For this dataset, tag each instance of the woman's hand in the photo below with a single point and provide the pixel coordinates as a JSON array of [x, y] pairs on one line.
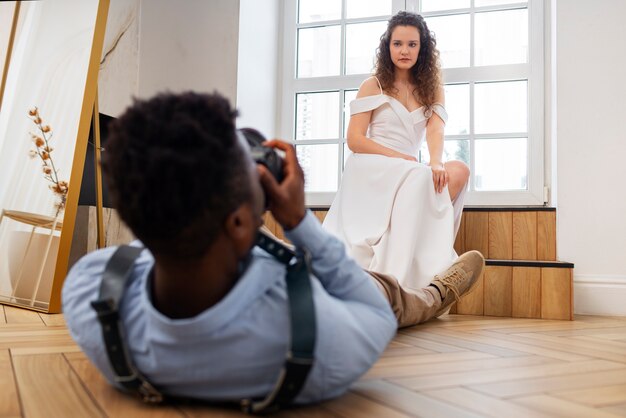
[[440, 176]]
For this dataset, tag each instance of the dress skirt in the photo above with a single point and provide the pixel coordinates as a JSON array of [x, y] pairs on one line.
[[391, 219]]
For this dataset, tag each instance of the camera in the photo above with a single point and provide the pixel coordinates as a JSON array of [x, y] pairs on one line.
[[263, 155]]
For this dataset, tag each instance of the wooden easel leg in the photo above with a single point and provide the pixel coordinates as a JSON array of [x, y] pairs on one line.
[[7, 58], [100, 243]]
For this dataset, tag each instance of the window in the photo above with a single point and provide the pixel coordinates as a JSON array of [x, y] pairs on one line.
[[492, 62]]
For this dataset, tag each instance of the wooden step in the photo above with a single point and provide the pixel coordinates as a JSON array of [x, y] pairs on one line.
[[498, 232], [508, 287], [521, 289], [522, 277], [510, 233]]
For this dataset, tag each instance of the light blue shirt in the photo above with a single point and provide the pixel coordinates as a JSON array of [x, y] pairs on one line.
[[236, 348]]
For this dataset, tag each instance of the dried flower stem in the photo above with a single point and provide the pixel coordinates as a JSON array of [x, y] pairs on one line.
[[44, 151]]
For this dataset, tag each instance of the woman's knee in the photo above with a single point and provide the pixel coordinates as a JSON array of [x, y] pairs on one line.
[[458, 175], [458, 172]]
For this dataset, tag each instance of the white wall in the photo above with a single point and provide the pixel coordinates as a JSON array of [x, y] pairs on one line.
[[591, 150], [119, 65], [188, 45], [157, 45], [258, 69]]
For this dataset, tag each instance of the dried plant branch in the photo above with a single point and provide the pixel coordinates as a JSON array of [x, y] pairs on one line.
[[43, 150]]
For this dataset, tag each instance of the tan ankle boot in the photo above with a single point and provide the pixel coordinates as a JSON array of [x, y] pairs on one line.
[[459, 279]]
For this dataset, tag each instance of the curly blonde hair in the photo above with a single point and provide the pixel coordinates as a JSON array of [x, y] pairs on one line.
[[425, 74]]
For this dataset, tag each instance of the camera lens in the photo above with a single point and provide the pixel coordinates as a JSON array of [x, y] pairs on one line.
[[263, 155]]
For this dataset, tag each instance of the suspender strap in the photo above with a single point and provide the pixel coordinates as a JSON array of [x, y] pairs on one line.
[[112, 288], [300, 356], [303, 328]]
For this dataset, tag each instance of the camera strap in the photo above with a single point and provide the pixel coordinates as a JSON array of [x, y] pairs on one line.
[[299, 358]]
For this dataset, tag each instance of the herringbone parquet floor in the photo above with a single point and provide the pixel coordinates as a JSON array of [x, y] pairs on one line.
[[457, 366]]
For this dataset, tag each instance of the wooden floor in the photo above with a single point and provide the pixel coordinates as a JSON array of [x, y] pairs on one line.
[[458, 366]]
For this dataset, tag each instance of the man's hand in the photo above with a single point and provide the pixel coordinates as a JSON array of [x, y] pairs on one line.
[[286, 200]]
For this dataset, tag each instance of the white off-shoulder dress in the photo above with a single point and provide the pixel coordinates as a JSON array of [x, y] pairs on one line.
[[386, 210]]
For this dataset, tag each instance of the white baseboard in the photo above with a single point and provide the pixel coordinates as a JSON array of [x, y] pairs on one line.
[[600, 294]]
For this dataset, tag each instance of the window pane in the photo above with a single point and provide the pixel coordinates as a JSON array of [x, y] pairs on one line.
[[349, 95], [317, 115], [457, 150], [453, 39], [457, 106], [319, 51], [432, 5], [317, 10], [481, 3], [319, 163], [501, 164], [501, 37], [367, 8], [501, 107], [453, 149], [362, 39]]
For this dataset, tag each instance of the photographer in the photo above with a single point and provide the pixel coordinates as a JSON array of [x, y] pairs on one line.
[[205, 314]]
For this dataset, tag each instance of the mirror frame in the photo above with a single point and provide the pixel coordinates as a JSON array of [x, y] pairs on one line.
[[7, 58], [78, 161]]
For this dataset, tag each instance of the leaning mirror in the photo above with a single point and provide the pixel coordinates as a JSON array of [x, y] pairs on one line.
[[49, 91]]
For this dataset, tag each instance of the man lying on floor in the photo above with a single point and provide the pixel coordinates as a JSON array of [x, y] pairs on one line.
[[205, 313]]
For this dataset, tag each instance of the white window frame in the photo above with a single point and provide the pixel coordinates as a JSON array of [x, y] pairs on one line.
[[533, 71]]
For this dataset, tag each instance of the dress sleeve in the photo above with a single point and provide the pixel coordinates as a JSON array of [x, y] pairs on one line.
[[441, 111], [365, 104]]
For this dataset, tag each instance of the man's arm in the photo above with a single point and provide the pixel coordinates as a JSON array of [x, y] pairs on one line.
[[355, 322], [339, 274]]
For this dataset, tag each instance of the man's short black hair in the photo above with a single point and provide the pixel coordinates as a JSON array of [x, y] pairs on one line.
[[175, 170]]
